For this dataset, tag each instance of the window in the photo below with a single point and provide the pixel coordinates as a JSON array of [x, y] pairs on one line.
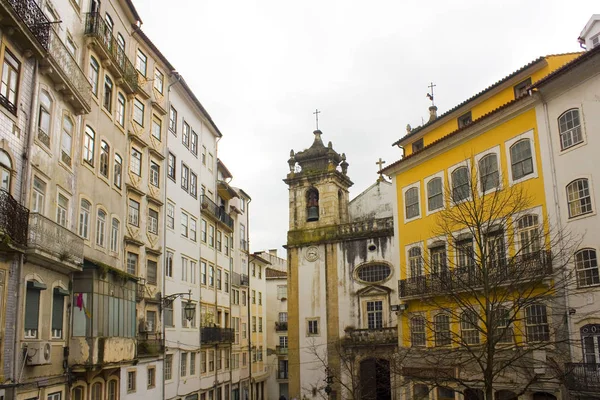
[[586, 265], [151, 272], [154, 174], [38, 195], [283, 317], [521, 159], [415, 262], [58, 312], [77, 393], [100, 228], [132, 261], [502, 319], [253, 324], [418, 336], [193, 274], [260, 298], [194, 143], [94, 74], [134, 213], [435, 198], [118, 169], [71, 47], [138, 112], [488, 172], [536, 323], [88, 146], [32, 308], [193, 364], [211, 360], [135, 164], [281, 292], [465, 260], [465, 120], [469, 327], [520, 89], [66, 142], [131, 376], [171, 166], [170, 216], [62, 210], [211, 276], [253, 296], [184, 224], [192, 229], [44, 118], [460, 184], [104, 157], [219, 279], [121, 109], [374, 314], [120, 43], [579, 198], [185, 136], [173, 120], [211, 235], [169, 264], [569, 128], [108, 93], [441, 327], [156, 127], [211, 162], [219, 366], [114, 235], [226, 245], [420, 392], [141, 62], [226, 282], [185, 174], [313, 326], [96, 391], [168, 315], [194, 185], [153, 221], [444, 393], [84, 218], [203, 230], [151, 377], [159, 81], [528, 234], [417, 145], [203, 272], [168, 367], [495, 250], [437, 260]]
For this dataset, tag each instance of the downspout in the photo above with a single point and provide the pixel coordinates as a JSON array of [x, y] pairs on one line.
[[216, 175], [249, 308]]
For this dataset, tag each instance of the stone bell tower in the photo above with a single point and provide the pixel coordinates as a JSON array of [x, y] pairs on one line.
[[318, 205]]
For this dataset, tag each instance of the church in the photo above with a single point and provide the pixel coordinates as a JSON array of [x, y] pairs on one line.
[[342, 292]]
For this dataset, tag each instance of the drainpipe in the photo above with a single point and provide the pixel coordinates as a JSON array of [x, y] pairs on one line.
[[216, 175], [248, 302]]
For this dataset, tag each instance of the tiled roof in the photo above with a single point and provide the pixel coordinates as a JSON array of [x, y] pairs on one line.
[[567, 67], [498, 83], [275, 273], [457, 131]]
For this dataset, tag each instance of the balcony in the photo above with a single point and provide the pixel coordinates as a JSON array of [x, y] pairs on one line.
[[371, 337], [217, 212], [110, 50], [244, 245], [215, 335], [522, 268], [282, 374], [150, 347], [281, 350], [30, 23], [51, 244], [244, 280], [281, 326], [583, 377], [14, 221]]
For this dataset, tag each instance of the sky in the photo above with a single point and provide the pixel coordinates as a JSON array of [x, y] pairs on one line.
[[262, 67]]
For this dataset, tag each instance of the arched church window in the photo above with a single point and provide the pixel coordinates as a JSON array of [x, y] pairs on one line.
[[312, 205]]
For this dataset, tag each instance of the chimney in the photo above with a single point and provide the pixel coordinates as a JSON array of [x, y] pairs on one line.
[[432, 113], [273, 252]]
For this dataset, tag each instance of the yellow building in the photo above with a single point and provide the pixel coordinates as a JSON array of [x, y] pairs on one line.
[[474, 268]]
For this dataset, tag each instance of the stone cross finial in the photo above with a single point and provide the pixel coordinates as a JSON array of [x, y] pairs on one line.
[[380, 164]]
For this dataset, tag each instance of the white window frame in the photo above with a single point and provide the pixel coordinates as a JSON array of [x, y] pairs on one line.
[[450, 170], [507, 145], [408, 272], [406, 189], [426, 182], [568, 216], [494, 150], [581, 127]]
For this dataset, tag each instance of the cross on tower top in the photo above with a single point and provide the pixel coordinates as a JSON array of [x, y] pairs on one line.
[[317, 112], [380, 164], [430, 94]]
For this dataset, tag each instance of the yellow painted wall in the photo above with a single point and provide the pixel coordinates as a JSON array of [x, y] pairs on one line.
[[481, 107]]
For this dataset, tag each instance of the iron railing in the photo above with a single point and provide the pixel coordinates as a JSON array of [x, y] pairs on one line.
[[216, 211], [281, 350], [52, 238], [150, 347], [33, 17], [282, 374], [244, 244], [583, 376], [521, 268], [281, 326], [96, 27], [63, 58], [14, 219], [210, 334], [244, 280], [366, 337]]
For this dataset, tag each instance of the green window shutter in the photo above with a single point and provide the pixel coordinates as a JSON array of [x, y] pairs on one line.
[[58, 306], [32, 308]]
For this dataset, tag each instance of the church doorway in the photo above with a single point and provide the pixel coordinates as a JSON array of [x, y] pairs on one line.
[[375, 381]]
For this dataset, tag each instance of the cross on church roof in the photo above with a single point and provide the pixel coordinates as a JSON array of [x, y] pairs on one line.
[[380, 164], [317, 112], [430, 94]]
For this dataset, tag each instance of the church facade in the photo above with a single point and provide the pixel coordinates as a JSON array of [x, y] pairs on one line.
[[341, 284]]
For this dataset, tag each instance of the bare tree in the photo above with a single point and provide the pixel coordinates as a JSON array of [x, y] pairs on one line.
[[493, 280]]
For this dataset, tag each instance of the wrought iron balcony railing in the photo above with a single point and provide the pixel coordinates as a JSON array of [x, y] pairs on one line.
[[96, 27], [583, 376], [217, 212], [150, 347], [244, 280], [281, 350], [33, 17], [14, 219], [521, 268], [282, 374], [281, 326], [210, 334], [47, 238], [367, 337]]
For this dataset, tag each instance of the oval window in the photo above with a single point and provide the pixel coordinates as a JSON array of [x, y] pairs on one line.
[[375, 272]]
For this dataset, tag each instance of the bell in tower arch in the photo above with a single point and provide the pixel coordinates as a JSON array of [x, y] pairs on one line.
[[312, 205]]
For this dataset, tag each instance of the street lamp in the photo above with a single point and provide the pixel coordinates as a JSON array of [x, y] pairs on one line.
[[189, 311]]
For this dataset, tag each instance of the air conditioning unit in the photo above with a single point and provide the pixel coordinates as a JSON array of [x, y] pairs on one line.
[[39, 353]]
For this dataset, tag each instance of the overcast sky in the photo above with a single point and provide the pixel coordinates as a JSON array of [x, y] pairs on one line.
[[261, 67]]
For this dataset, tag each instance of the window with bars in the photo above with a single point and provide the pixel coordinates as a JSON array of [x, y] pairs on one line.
[[579, 198], [586, 265], [536, 323]]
